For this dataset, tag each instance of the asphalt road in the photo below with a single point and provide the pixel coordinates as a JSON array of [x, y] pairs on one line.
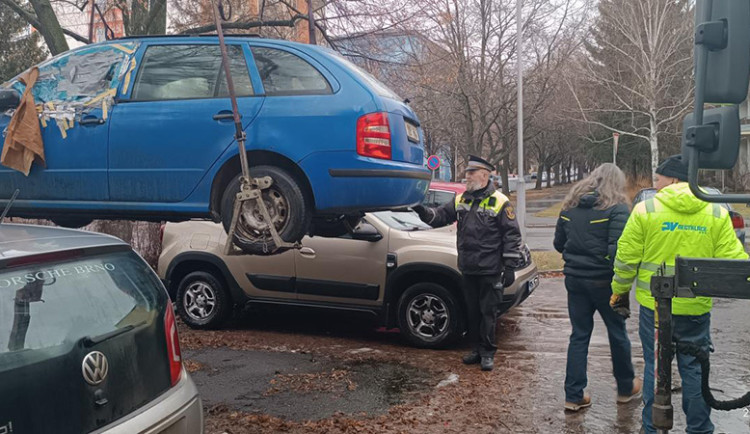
[[315, 372]]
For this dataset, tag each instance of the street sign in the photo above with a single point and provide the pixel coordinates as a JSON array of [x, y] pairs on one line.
[[433, 162]]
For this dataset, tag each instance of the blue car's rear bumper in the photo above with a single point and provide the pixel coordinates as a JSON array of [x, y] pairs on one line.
[[346, 182]]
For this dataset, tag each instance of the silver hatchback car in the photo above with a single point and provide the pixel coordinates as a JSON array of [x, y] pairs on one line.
[[88, 340]]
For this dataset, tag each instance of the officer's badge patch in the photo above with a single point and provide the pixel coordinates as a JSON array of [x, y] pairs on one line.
[[509, 212]]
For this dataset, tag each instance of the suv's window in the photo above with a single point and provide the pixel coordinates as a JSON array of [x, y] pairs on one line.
[[52, 306], [188, 72], [283, 73]]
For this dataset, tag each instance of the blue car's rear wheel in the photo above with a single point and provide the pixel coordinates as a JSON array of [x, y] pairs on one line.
[[286, 205]]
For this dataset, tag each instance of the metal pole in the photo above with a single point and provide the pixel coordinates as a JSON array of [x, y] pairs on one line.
[[521, 187], [614, 152], [662, 410], [311, 22]]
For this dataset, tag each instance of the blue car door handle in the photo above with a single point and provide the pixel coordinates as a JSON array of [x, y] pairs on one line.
[[91, 120], [224, 115]]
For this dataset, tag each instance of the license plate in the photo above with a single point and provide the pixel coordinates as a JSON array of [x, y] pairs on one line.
[[533, 283], [412, 132]]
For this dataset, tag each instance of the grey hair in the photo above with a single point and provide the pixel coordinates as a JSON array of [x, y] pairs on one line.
[[607, 180]]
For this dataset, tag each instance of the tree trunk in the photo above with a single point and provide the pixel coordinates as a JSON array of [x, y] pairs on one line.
[[539, 173], [504, 174], [654, 142], [142, 236], [50, 27], [549, 176]]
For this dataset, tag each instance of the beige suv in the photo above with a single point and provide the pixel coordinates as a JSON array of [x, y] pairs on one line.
[[392, 265]]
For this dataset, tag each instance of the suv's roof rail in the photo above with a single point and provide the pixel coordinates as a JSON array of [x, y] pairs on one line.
[[231, 35]]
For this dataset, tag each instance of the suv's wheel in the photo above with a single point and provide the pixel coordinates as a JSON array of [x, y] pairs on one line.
[[286, 205], [74, 223], [429, 315], [203, 301]]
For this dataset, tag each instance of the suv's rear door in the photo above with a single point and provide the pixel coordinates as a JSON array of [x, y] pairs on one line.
[[60, 319], [176, 121]]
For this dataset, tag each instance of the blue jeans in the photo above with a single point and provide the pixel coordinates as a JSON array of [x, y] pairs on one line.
[[585, 297], [693, 329]]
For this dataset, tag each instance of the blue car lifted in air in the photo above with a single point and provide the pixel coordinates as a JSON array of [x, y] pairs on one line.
[[141, 129]]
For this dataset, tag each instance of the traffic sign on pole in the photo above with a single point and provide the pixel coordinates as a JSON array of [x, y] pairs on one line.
[[433, 162]]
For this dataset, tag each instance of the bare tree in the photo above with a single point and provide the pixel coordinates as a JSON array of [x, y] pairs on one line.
[[637, 74]]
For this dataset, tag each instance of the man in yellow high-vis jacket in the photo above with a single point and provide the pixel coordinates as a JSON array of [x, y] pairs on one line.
[[672, 223]]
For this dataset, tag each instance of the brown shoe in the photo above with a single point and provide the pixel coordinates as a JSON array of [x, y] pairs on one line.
[[575, 406], [636, 393]]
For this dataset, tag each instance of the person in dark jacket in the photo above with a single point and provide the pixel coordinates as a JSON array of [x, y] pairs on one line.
[[593, 216], [489, 251]]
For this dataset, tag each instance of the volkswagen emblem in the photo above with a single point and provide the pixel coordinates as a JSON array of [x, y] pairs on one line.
[[95, 368]]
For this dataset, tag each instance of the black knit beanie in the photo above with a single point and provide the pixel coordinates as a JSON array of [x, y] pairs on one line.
[[673, 168]]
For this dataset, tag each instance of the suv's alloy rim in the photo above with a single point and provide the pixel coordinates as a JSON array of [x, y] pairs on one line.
[[428, 316], [199, 301]]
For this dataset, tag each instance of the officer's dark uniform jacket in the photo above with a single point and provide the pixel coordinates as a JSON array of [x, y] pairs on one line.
[[489, 239]]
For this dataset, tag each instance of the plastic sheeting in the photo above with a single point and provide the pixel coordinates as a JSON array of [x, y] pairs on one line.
[[72, 84]]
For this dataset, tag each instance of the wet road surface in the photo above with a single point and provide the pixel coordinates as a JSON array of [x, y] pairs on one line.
[[315, 372]]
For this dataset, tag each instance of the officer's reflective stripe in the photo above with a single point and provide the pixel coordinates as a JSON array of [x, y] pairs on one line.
[[623, 280], [599, 221], [564, 218], [717, 210], [624, 266], [650, 205], [490, 205]]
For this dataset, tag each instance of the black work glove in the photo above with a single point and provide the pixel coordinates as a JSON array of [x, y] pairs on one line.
[[424, 213], [509, 276], [620, 304]]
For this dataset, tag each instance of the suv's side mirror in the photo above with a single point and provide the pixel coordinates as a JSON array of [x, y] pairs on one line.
[[366, 232], [9, 99]]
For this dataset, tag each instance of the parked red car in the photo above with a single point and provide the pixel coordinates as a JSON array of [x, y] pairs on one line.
[[442, 192]]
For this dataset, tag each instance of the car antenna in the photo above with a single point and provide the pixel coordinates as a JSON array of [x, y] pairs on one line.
[[7, 207]]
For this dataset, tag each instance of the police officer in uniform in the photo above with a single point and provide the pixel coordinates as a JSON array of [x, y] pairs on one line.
[[489, 250]]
